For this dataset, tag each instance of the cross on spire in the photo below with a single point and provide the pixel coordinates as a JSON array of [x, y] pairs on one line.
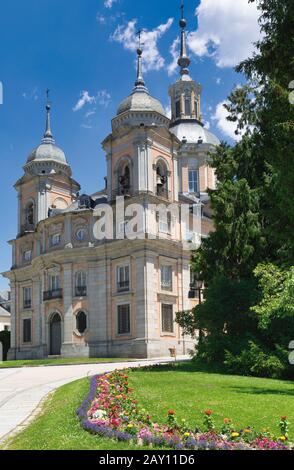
[[48, 137], [140, 80], [184, 60]]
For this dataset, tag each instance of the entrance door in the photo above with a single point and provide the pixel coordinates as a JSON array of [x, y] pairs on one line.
[[55, 335]]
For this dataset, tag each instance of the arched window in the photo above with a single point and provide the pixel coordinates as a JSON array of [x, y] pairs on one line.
[[81, 320], [81, 284], [125, 180], [30, 215], [161, 179]]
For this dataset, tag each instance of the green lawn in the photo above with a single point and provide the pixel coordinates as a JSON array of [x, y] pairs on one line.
[[57, 362], [248, 401], [184, 388]]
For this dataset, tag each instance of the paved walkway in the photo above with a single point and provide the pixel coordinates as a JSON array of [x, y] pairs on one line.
[[21, 390]]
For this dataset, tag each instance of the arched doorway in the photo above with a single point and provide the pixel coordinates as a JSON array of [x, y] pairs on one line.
[[55, 335]]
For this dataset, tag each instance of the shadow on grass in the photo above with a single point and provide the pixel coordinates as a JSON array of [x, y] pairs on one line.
[[192, 366], [262, 391]]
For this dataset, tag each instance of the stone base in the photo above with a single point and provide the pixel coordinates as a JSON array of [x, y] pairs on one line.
[[32, 353], [140, 349], [74, 350], [133, 349]]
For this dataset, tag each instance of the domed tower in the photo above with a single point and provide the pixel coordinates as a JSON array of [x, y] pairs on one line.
[[46, 183], [195, 174], [140, 135]]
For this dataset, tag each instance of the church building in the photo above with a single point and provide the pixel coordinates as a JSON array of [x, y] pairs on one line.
[[74, 295]]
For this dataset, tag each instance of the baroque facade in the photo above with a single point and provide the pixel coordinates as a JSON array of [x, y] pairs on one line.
[[75, 294]]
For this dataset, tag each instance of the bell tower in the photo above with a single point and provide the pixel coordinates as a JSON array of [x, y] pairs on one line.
[[46, 183]]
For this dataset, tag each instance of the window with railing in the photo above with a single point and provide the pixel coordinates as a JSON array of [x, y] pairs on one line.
[[55, 239], [81, 284], [166, 278], [54, 292], [123, 278], [27, 297]]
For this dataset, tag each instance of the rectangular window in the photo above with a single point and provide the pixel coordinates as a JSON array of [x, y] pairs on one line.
[[27, 256], [193, 181], [167, 319], [55, 239], [27, 297], [27, 330], [178, 109], [54, 282], [188, 110], [124, 319], [81, 284], [123, 278], [165, 222], [166, 278]]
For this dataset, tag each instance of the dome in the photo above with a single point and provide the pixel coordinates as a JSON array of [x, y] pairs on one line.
[[192, 132], [140, 101], [47, 152]]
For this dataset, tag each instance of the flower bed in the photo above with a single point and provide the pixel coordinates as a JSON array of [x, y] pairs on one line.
[[110, 410]]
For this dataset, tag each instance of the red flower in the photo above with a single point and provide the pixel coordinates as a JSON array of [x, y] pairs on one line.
[[208, 412], [171, 413]]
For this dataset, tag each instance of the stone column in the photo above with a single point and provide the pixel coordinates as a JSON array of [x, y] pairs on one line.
[[13, 340], [97, 318], [109, 177], [67, 307], [37, 301], [176, 177]]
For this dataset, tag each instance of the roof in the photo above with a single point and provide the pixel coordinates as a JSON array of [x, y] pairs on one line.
[[47, 152], [4, 312], [140, 100], [194, 133]]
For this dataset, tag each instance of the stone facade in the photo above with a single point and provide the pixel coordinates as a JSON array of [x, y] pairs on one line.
[[73, 294]]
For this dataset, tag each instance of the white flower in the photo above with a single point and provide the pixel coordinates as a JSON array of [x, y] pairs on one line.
[[100, 414]]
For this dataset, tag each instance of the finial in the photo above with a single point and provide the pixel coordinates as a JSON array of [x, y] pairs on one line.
[[184, 60], [48, 137], [140, 83]]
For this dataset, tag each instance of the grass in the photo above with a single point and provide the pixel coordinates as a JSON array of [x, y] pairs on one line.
[[58, 428], [183, 387], [248, 401], [58, 362]]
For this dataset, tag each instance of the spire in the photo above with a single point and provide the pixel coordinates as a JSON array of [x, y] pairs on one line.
[[184, 60], [140, 83], [48, 137]]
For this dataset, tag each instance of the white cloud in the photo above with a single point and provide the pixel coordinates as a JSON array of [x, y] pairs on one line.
[[175, 52], [228, 128], [101, 18], [102, 98], [109, 3], [207, 125], [126, 35], [83, 100], [226, 31], [168, 111]]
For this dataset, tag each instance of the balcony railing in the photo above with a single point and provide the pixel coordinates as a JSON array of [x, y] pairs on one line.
[[27, 228], [53, 294], [162, 192], [166, 285], [126, 192], [81, 291], [27, 304], [123, 286]]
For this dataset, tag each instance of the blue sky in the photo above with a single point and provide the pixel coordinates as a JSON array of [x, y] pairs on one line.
[[88, 46]]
